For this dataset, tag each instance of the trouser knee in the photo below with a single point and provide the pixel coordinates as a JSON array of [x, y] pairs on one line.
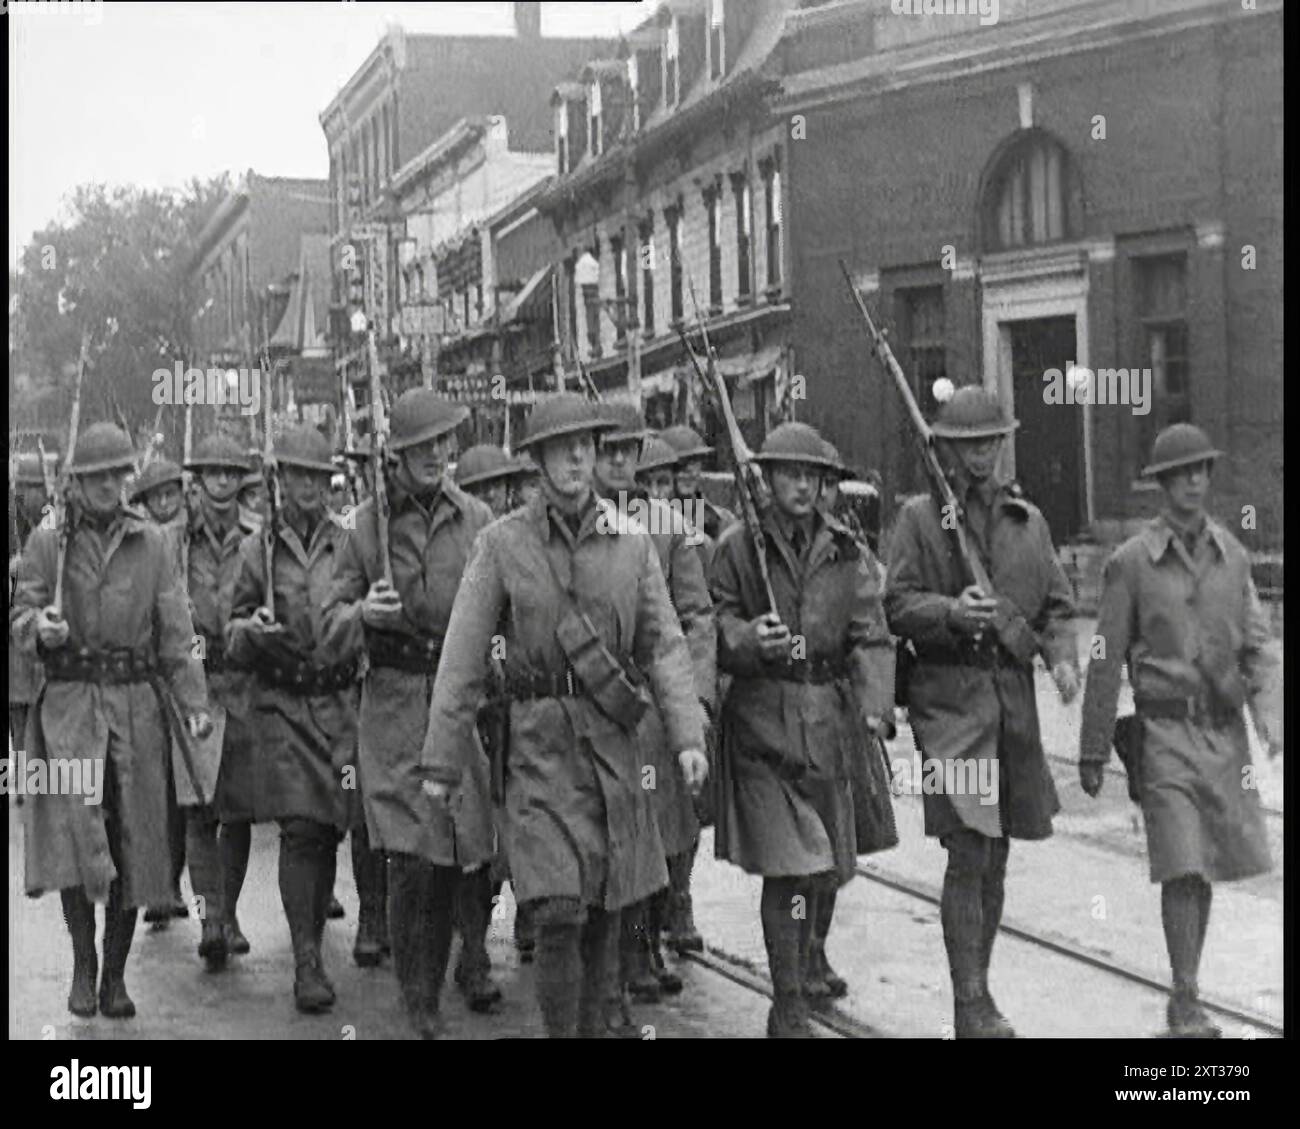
[[970, 854]]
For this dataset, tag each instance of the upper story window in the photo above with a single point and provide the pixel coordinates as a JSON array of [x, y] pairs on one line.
[[717, 57], [772, 221], [1162, 311], [713, 208], [593, 102], [646, 252], [673, 218], [744, 227], [1032, 194], [672, 65]]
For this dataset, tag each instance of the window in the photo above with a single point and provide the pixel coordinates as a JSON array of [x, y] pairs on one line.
[[672, 65], [744, 224], [594, 104], [619, 254], [571, 289], [562, 136], [1031, 196], [772, 222], [713, 207], [673, 217], [717, 61], [1162, 311], [923, 329], [647, 253]]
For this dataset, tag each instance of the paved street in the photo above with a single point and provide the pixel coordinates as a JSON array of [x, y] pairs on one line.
[[886, 943]]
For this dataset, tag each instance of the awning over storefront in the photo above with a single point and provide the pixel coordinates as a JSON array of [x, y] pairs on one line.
[[746, 369], [534, 291]]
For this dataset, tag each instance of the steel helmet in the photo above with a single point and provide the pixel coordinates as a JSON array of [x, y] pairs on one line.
[[656, 455], [28, 471], [160, 472], [1180, 444], [102, 446], [628, 421], [686, 441], [484, 463], [842, 469], [219, 452], [419, 415], [304, 446], [797, 443], [565, 414], [972, 412]]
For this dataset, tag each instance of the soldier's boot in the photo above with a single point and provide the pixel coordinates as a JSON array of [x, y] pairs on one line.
[[782, 936], [559, 977], [404, 896], [79, 915], [326, 855], [234, 841], [836, 986], [368, 871], [993, 896], [961, 911], [656, 913], [683, 937], [205, 878], [1184, 910], [525, 933], [474, 910], [119, 929], [598, 944], [299, 875], [635, 972], [439, 917]]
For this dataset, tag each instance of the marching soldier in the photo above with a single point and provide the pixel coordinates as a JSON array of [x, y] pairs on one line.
[[157, 491], [970, 691], [691, 451], [123, 627], [219, 834], [25, 675], [303, 712], [490, 475], [811, 681], [435, 868], [1179, 607], [576, 608]]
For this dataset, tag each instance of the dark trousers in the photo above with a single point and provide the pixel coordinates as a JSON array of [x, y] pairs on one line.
[[577, 965], [971, 907], [308, 858], [421, 914]]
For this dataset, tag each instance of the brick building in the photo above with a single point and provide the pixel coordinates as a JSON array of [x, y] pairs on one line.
[[669, 205], [1086, 181]]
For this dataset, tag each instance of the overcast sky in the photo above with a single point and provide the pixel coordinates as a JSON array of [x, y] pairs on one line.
[[154, 93]]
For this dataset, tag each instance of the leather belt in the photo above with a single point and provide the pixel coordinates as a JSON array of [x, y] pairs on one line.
[[815, 672], [113, 667], [415, 654], [1194, 709], [564, 685], [986, 656], [305, 680]]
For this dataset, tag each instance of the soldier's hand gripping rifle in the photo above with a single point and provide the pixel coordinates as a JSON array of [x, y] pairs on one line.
[[59, 496], [1011, 629], [750, 488], [379, 456]]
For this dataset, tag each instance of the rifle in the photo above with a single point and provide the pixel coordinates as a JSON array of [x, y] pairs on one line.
[[750, 490], [152, 449], [186, 453], [588, 385], [379, 456], [1012, 630], [272, 524], [60, 499]]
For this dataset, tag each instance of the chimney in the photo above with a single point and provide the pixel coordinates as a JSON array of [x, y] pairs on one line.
[[528, 20]]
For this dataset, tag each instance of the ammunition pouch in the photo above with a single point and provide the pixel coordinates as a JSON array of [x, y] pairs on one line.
[[602, 677], [302, 679], [414, 654]]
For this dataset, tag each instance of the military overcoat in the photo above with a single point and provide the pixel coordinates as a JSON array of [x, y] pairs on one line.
[[121, 591], [791, 731], [1177, 619], [428, 548], [578, 821]]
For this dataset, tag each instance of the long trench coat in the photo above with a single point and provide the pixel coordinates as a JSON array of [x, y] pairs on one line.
[[962, 713], [1175, 619], [577, 821], [303, 754], [784, 789], [683, 570], [213, 563], [428, 550], [121, 590]]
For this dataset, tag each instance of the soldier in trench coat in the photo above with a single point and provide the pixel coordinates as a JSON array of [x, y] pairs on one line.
[[1180, 609], [809, 683], [431, 526], [579, 826], [123, 629], [304, 694], [970, 699]]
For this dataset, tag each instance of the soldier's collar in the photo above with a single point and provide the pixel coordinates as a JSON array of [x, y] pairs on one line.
[[1161, 531]]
